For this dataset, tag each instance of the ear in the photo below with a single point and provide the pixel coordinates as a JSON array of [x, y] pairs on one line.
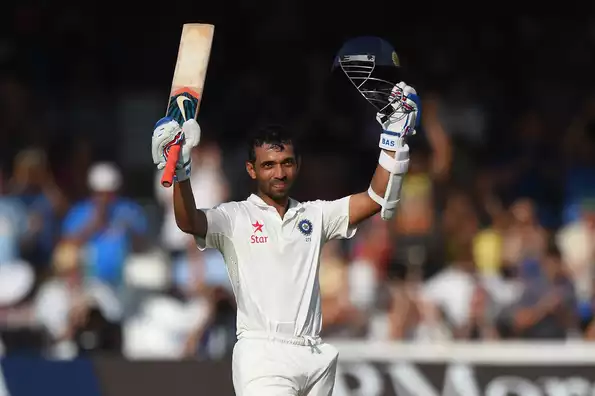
[[250, 170]]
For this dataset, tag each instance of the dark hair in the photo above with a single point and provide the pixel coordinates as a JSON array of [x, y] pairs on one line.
[[273, 134]]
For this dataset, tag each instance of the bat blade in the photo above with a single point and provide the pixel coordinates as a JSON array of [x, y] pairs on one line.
[[188, 83]]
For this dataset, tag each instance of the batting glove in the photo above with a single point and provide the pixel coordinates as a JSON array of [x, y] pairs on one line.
[[168, 133], [403, 120]]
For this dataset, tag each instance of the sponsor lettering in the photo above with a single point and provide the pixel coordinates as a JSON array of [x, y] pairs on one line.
[[461, 379], [258, 239], [387, 142], [396, 377]]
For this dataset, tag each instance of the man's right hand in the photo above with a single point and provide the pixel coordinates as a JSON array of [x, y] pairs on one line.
[[168, 133]]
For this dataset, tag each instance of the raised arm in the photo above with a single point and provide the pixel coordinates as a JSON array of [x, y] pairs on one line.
[[361, 205], [385, 188], [188, 218]]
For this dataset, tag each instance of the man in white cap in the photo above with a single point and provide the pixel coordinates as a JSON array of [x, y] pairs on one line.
[[107, 224]]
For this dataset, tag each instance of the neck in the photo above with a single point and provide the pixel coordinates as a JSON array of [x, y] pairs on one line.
[[280, 204]]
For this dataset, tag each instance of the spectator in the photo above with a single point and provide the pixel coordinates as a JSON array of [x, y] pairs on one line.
[[202, 276], [460, 222], [33, 184], [487, 245], [481, 323], [409, 316], [13, 225], [460, 308], [525, 240], [19, 332], [547, 307], [577, 244], [368, 268], [67, 301], [341, 317], [106, 225], [415, 231]]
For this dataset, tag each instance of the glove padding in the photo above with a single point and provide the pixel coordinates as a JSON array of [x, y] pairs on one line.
[[404, 118], [168, 133]]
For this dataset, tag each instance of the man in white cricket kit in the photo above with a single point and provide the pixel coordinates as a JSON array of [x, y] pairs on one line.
[[271, 245]]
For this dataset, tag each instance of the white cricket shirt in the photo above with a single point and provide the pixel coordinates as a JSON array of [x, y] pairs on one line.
[[273, 262]]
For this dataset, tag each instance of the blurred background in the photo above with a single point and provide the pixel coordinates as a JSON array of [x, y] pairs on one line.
[[495, 236]]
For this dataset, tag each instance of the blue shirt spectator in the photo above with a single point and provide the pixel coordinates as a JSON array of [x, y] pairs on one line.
[[108, 246], [105, 225], [32, 183]]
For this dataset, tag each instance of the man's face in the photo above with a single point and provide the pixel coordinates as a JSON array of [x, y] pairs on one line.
[[274, 169]]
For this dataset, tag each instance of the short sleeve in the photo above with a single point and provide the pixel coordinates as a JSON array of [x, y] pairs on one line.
[[335, 219], [219, 226]]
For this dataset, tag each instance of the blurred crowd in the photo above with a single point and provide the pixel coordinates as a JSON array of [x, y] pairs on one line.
[[478, 260], [82, 275], [494, 238]]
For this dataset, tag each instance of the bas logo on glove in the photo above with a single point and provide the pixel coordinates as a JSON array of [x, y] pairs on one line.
[[388, 142]]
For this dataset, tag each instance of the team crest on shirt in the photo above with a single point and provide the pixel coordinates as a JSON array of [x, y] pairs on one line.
[[305, 227]]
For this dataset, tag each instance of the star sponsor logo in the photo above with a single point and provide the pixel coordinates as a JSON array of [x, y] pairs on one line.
[[257, 227], [257, 236]]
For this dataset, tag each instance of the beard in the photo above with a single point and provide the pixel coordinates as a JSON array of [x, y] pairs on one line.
[[274, 192]]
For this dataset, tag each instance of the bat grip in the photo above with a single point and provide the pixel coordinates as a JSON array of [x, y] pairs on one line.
[[167, 178]]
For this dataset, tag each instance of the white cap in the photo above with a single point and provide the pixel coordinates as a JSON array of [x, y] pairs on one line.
[[104, 177], [16, 281]]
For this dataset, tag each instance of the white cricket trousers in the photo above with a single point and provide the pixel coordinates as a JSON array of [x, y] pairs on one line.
[[265, 365]]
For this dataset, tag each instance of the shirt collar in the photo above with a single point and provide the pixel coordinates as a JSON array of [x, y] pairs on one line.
[[256, 200]]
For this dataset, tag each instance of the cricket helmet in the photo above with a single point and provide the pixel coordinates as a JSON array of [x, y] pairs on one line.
[[373, 67]]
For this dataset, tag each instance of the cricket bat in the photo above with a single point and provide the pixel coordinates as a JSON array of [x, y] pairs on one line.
[[187, 85]]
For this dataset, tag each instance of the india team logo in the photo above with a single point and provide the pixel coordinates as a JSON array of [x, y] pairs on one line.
[[305, 227]]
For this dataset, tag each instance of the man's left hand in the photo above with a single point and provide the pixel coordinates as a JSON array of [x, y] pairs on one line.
[[403, 120]]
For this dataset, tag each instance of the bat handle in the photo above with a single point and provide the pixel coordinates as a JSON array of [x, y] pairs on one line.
[[167, 178]]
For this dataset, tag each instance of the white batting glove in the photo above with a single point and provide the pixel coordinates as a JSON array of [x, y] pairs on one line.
[[404, 119], [168, 133]]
